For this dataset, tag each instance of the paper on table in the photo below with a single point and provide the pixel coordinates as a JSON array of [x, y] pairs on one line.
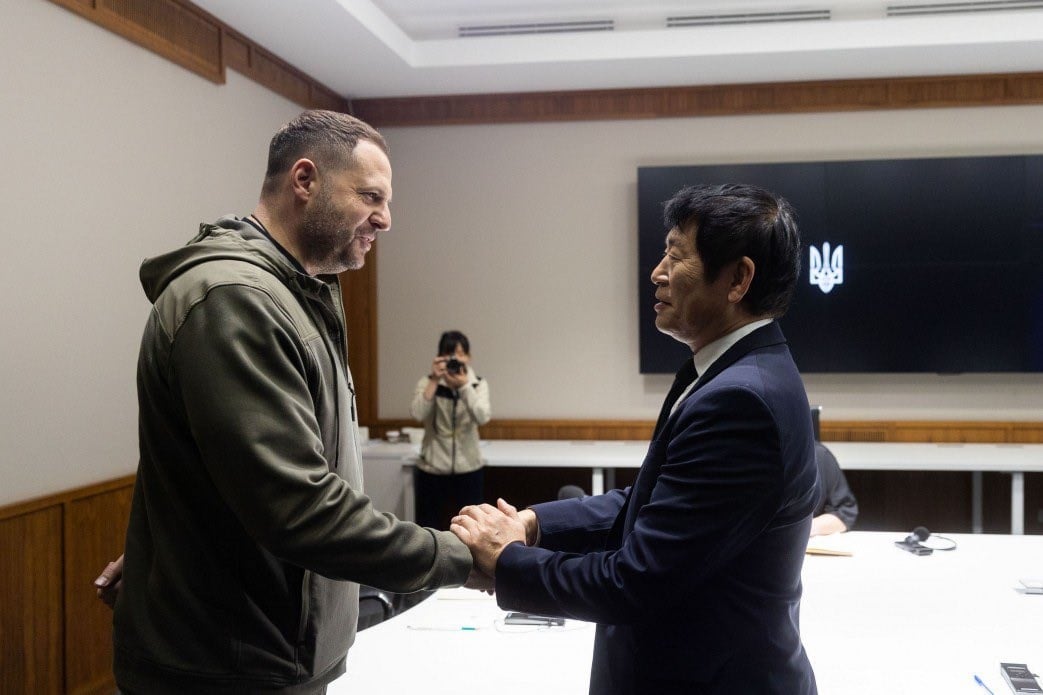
[[833, 544]]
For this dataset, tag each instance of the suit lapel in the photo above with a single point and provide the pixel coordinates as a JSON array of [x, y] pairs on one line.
[[765, 336], [685, 376]]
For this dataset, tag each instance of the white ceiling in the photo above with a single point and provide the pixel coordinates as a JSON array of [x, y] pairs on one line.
[[382, 48]]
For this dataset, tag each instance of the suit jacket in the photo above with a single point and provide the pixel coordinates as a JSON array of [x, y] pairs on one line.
[[693, 573]]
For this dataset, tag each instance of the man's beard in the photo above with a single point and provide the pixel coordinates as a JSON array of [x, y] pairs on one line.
[[321, 237]]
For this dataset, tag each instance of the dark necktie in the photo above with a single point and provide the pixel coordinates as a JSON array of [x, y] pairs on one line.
[[685, 376]]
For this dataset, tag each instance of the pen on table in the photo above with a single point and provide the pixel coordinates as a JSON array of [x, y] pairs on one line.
[[980, 682]]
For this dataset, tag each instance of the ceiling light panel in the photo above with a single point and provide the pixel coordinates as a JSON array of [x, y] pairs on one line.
[[962, 7], [720, 18], [516, 28]]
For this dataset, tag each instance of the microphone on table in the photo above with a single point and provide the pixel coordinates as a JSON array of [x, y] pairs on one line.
[[918, 535], [913, 543]]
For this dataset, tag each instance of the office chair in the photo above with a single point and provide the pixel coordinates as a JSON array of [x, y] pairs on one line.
[[816, 424], [375, 606], [570, 491]]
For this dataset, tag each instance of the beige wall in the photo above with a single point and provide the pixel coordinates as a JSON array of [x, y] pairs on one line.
[[110, 154], [520, 235], [523, 236]]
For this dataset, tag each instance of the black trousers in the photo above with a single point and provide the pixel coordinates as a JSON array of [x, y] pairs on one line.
[[440, 497]]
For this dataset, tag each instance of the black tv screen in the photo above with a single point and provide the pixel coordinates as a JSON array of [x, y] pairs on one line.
[[939, 262]]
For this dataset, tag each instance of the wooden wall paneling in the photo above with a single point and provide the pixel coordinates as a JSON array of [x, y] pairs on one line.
[[278, 76], [1026, 432], [832, 430], [965, 432], [192, 38], [847, 431], [705, 100], [323, 98], [1026, 88], [31, 621], [359, 293], [236, 51], [174, 29], [268, 70], [610, 430], [96, 526]]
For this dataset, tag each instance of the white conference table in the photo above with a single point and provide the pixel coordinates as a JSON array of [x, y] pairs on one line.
[[880, 621], [604, 457]]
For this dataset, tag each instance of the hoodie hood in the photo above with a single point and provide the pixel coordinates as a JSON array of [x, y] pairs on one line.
[[229, 238]]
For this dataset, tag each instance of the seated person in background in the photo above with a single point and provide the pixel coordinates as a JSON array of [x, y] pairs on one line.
[[837, 509], [451, 402]]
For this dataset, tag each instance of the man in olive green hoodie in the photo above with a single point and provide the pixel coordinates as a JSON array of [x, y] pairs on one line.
[[249, 531]]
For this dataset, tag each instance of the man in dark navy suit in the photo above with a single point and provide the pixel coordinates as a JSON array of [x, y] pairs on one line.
[[693, 573]]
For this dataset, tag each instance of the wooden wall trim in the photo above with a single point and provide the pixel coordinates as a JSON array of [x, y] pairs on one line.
[[65, 497], [56, 634], [359, 294], [178, 31], [267, 69], [708, 100], [832, 430], [198, 41]]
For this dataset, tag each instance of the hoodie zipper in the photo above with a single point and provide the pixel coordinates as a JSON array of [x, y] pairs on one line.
[[302, 625]]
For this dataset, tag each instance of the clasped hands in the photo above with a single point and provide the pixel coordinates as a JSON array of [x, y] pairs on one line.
[[486, 530]]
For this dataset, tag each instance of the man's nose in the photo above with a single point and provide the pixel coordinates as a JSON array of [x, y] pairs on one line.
[[658, 275], [381, 220]]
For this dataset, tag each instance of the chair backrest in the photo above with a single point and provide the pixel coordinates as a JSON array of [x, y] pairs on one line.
[[570, 491], [816, 413], [375, 606]]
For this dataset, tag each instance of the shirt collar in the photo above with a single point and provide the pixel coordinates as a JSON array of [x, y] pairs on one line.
[[711, 352]]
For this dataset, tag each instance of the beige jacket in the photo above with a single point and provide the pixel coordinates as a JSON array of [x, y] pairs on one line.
[[451, 421]]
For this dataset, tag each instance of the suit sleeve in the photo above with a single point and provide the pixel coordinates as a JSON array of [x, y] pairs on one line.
[[578, 525], [242, 374], [719, 486]]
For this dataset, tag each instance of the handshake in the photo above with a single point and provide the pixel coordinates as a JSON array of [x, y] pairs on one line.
[[486, 530]]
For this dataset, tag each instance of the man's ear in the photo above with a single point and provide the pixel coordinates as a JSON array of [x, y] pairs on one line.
[[303, 176], [742, 276]]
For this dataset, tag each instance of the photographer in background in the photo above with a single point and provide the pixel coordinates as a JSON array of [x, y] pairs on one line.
[[451, 402]]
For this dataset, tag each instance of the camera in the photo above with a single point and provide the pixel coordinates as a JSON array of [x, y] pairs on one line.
[[454, 366]]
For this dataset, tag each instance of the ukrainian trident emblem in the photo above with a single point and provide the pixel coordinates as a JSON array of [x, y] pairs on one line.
[[826, 270]]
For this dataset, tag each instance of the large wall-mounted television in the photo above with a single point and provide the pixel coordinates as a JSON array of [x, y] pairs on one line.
[[909, 265]]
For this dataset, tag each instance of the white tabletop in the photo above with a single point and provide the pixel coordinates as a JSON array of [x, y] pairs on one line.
[[603, 457], [919, 456], [923, 456], [881, 621]]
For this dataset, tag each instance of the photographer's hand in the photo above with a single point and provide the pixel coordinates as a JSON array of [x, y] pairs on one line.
[[437, 372], [438, 368]]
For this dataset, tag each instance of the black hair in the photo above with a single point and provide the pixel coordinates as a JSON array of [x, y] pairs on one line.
[[450, 339], [733, 220]]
